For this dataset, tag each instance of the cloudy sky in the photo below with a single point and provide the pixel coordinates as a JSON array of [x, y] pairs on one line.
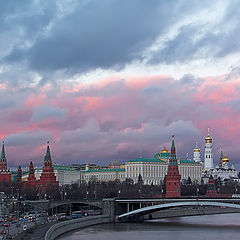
[[114, 79]]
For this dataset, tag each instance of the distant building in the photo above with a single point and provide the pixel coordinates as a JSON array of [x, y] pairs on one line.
[[173, 188], [103, 174], [48, 177], [64, 174], [223, 171], [5, 175], [153, 170], [31, 180], [19, 175], [197, 154]]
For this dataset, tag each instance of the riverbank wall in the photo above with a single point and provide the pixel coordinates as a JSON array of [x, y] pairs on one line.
[[66, 226]]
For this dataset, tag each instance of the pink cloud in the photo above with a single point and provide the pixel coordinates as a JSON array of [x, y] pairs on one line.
[[119, 118]]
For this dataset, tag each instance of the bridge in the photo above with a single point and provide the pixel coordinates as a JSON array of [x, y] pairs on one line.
[[130, 209], [139, 213]]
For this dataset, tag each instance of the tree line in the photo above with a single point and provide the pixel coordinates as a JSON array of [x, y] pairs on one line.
[[113, 189]]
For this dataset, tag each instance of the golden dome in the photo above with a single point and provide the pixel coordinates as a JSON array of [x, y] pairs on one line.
[[164, 150], [225, 158], [208, 139], [197, 150]]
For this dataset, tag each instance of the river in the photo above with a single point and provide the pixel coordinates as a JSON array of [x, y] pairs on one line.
[[217, 227]]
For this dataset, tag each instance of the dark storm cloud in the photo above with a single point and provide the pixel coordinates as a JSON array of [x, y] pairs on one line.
[[21, 21], [100, 34]]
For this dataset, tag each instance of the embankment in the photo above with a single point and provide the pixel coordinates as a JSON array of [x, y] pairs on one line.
[[63, 227]]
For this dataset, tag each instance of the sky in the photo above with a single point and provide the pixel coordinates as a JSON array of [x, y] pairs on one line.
[[114, 80]]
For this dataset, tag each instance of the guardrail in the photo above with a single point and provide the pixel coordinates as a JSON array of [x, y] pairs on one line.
[[63, 227]]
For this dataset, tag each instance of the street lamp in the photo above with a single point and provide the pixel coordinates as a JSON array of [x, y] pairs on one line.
[[65, 195], [87, 194], [119, 191], [197, 192]]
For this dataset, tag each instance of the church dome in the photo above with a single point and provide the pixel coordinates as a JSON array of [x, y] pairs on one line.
[[208, 139], [225, 158], [196, 149], [164, 150]]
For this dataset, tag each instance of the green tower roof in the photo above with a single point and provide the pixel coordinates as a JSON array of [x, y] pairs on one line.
[[3, 156], [173, 144], [47, 157]]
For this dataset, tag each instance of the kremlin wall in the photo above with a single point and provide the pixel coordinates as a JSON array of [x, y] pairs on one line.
[[163, 165]]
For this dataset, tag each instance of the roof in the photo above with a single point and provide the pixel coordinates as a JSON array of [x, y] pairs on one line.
[[187, 161], [105, 170], [146, 160], [154, 160], [66, 168], [3, 156], [161, 155]]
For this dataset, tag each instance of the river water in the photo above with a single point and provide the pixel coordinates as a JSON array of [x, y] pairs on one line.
[[217, 227]]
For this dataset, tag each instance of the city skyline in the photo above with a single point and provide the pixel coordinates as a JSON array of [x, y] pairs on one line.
[[123, 161], [110, 81]]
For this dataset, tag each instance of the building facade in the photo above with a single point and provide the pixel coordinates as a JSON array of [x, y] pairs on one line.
[[103, 174], [64, 175], [153, 170]]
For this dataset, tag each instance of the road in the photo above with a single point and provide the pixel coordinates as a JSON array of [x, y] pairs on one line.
[[14, 229]]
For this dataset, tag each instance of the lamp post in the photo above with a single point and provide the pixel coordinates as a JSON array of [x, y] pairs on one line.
[[197, 193], [119, 191], [18, 202], [87, 195]]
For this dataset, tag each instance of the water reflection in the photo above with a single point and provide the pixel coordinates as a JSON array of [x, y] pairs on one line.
[[220, 227]]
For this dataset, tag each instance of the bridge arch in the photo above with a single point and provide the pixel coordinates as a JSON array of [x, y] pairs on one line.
[[156, 208]]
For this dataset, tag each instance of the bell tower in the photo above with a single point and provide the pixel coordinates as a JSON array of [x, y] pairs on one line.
[[208, 156], [196, 154]]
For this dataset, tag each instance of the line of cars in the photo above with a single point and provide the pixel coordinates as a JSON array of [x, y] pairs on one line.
[[76, 214], [11, 225]]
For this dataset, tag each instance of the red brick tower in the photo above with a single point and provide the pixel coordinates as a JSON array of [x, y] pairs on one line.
[[48, 178], [5, 175], [173, 177], [31, 176], [19, 175], [211, 189]]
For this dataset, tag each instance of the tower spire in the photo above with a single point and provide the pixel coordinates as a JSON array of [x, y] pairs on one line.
[[3, 156], [221, 154], [47, 157], [173, 149]]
